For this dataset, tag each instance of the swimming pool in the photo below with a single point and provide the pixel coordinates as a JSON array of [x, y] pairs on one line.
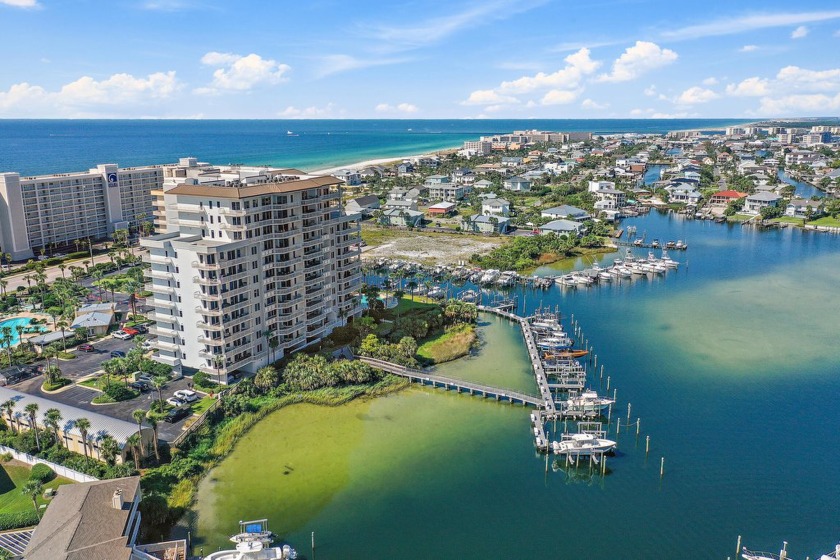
[[12, 323]]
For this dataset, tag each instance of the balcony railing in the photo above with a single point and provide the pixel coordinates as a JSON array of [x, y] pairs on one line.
[[232, 212], [154, 288], [205, 266], [209, 326], [206, 311], [208, 297], [210, 341]]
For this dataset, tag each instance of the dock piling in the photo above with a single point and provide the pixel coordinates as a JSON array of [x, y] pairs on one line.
[[738, 546], [662, 467], [647, 445], [628, 414]]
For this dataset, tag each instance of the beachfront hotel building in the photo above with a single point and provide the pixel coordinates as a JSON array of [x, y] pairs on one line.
[[252, 267]]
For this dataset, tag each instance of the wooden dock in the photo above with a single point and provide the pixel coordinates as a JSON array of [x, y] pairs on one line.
[[448, 383]]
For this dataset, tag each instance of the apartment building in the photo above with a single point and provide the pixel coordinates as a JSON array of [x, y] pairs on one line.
[[251, 270]]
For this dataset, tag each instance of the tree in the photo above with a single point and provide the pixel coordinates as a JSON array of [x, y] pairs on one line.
[[267, 378], [159, 381], [152, 421], [109, 448], [62, 268], [133, 286], [133, 443], [83, 425], [32, 412], [219, 362], [3, 284], [9, 406], [139, 415], [62, 326], [52, 420], [33, 489]]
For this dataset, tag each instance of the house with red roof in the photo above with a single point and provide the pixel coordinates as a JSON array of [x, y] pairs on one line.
[[722, 198]]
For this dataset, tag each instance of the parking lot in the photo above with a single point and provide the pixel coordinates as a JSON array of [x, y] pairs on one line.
[[87, 363]]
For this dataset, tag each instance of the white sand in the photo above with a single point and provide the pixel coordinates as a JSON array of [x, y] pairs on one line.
[[380, 161]]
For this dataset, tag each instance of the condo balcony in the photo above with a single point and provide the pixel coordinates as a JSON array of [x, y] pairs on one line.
[[232, 212], [207, 297], [218, 342], [206, 266], [158, 274], [158, 330], [209, 326], [150, 258], [205, 281], [157, 289], [233, 227], [163, 345]]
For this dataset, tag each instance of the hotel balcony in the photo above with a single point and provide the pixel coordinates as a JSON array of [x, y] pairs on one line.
[[158, 330], [154, 288], [209, 326], [162, 303], [187, 208], [207, 311], [205, 281], [173, 361], [207, 297], [232, 212], [206, 266], [210, 341], [158, 274], [233, 227], [163, 345], [156, 259]]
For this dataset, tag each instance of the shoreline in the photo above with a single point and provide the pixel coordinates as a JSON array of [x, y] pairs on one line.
[[382, 161]]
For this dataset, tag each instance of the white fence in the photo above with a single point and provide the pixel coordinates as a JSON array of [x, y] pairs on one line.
[[59, 470]]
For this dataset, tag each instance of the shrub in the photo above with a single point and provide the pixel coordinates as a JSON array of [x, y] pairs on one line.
[[26, 518], [78, 255], [6, 457], [103, 399], [41, 473], [66, 355], [120, 392], [59, 383]]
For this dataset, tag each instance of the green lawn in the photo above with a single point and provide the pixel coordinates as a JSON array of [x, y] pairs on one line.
[[418, 303], [826, 221], [739, 218], [201, 405], [449, 345], [788, 220], [13, 477]]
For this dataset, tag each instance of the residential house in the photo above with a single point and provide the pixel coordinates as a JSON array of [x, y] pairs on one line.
[[511, 161], [403, 218], [363, 205], [567, 213], [755, 202], [405, 168], [442, 209], [723, 198], [562, 227], [463, 176], [441, 188], [610, 199], [517, 184], [486, 224], [350, 177], [371, 171], [802, 208], [96, 318], [683, 194], [392, 204], [483, 184], [495, 207]]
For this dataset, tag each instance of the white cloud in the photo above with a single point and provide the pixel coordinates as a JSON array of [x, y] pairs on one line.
[[487, 97], [836, 33], [650, 91], [710, 81], [731, 26], [241, 73], [749, 48], [170, 5], [119, 94], [751, 87], [594, 105], [21, 3], [639, 59], [336, 63], [637, 112], [802, 78], [312, 112], [682, 115], [800, 105], [401, 108], [800, 32], [420, 32], [560, 97], [563, 86], [694, 95]]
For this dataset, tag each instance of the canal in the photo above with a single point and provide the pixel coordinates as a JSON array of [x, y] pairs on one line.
[[730, 362]]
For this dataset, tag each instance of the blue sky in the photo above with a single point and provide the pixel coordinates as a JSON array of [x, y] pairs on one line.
[[419, 59]]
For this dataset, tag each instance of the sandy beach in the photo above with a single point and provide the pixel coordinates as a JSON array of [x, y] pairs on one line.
[[382, 161]]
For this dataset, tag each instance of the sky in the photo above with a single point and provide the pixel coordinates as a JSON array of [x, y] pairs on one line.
[[419, 59]]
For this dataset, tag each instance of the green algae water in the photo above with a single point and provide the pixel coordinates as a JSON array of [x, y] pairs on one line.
[[731, 362]]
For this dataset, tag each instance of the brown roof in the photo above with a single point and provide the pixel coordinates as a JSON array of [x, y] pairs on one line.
[[82, 524], [253, 190]]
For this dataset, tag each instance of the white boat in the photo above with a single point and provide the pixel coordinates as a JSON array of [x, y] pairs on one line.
[[253, 542], [582, 445], [436, 293], [587, 402], [667, 260], [566, 280]]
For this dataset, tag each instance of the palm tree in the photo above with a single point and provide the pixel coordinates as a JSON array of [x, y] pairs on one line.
[[273, 343], [109, 448], [154, 424], [412, 285], [133, 443], [3, 284], [52, 419], [9, 406], [33, 489], [83, 425], [62, 325], [219, 362], [7, 340], [32, 411], [159, 381], [139, 415], [97, 277], [133, 286], [8, 261], [62, 267]]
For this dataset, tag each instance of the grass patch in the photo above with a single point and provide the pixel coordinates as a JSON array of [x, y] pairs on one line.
[[66, 356], [62, 382], [739, 217], [788, 220], [827, 221], [12, 479], [406, 305], [103, 399], [201, 405], [450, 345]]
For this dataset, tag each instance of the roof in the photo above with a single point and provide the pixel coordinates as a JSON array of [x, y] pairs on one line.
[[93, 320], [82, 524], [517, 180], [99, 423], [566, 210], [764, 197], [482, 219], [50, 337], [365, 200], [442, 206], [561, 225], [91, 307], [253, 190], [730, 194], [495, 202], [406, 213]]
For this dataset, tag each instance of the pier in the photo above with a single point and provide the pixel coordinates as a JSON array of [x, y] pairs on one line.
[[448, 383]]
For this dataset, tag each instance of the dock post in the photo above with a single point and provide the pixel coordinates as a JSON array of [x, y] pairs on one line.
[[615, 395], [628, 414], [738, 547], [603, 464], [608, 383], [313, 545], [609, 414], [618, 426], [647, 445], [602, 372], [638, 425], [596, 361], [662, 467]]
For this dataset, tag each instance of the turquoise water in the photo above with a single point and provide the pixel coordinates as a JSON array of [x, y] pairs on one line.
[[803, 190], [730, 362], [58, 146], [12, 323]]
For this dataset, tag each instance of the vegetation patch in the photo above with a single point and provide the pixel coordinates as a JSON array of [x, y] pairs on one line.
[[455, 343], [828, 221], [55, 385]]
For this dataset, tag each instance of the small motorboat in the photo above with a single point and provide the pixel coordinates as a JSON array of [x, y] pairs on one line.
[[582, 445]]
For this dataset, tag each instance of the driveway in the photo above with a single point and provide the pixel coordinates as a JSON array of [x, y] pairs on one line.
[[86, 363]]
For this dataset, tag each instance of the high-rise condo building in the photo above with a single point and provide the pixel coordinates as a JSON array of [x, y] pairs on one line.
[[253, 265]]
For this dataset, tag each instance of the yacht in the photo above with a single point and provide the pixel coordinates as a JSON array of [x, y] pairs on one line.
[[253, 542], [667, 260], [582, 445], [587, 402]]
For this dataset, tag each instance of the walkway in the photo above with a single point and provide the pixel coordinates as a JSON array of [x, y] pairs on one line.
[[425, 378]]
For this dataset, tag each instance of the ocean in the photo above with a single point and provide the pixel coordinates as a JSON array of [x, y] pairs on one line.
[[33, 147]]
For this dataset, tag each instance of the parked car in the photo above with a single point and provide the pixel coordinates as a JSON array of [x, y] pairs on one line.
[[186, 395], [130, 330], [122, 335], [175, 401], [117, 354], [142, 329], [147, 345], [86, 347], [176, 414], [144, 377], [141, 386]]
